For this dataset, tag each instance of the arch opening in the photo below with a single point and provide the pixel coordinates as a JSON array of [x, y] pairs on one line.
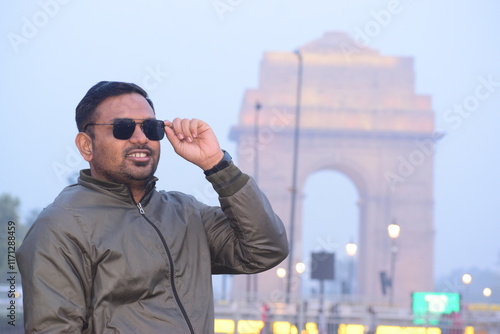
[[330, 220]]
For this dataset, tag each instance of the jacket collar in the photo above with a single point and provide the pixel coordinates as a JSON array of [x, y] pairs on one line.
[[116, 190]]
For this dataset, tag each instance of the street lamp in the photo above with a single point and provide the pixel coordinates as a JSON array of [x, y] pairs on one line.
[[487, 292], [294, 175], [351, 249], [467, 280], [281, 272], [253, 278], [300, 268], [256, 130], [394, 229]]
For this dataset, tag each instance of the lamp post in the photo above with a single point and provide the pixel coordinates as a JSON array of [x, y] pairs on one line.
[[394, 230], [467, 280], [253, 278], [281, 273], [294, 176], [258, 107], [351, 249], [300, 268]]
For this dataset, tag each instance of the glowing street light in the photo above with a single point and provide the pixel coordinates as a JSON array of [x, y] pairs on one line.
[[351, 249], [300, 267], [466, 279], [487, 292], [281, 272], [393, 229]]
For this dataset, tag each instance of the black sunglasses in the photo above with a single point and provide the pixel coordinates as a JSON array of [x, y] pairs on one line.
[[123, 128]]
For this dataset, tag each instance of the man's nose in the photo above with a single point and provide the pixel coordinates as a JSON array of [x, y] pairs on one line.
[[139, 136]]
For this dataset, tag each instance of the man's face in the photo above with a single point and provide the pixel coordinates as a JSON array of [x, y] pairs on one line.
[[132, 161]]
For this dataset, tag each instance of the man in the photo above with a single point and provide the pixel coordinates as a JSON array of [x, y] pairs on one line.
[[112, 254]]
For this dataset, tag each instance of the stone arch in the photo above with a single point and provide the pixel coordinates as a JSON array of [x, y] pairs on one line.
[[368, 132]]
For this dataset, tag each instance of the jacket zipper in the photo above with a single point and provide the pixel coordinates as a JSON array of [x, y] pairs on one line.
[[171, 263]]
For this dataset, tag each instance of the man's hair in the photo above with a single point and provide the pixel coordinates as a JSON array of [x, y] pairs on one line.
[[85, 111]]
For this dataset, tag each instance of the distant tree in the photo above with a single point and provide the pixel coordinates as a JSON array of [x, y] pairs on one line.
[[9, 206]]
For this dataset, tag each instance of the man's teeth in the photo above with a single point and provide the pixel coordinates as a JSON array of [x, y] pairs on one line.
[[138, 155]]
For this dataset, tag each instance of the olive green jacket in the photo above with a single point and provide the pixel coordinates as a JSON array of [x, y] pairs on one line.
[[97, 262]]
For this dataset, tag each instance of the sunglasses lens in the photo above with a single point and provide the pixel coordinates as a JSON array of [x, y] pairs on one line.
[[153, 129], [123, 128]]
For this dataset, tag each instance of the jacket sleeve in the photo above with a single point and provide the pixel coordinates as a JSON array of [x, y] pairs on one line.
[[54, 271], [247, 236]]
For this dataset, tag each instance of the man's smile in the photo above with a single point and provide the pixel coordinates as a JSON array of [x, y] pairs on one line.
[[139, 155]]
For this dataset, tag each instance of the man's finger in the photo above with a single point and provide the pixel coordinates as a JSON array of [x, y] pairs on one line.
[[186, 129], [169, 131], [177, 128], [194, 126]]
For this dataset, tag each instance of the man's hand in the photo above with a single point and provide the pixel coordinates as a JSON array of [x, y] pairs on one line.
[[195, 141]]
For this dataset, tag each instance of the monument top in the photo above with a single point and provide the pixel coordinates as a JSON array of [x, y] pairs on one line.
[[345, 86], [336, 42]]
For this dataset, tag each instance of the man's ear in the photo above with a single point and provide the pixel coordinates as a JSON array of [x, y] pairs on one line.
[[84, 143]]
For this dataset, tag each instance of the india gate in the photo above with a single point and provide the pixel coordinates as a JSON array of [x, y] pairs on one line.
[[357, 113]]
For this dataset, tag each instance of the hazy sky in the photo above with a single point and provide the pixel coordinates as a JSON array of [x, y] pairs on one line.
[[196, 58]]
